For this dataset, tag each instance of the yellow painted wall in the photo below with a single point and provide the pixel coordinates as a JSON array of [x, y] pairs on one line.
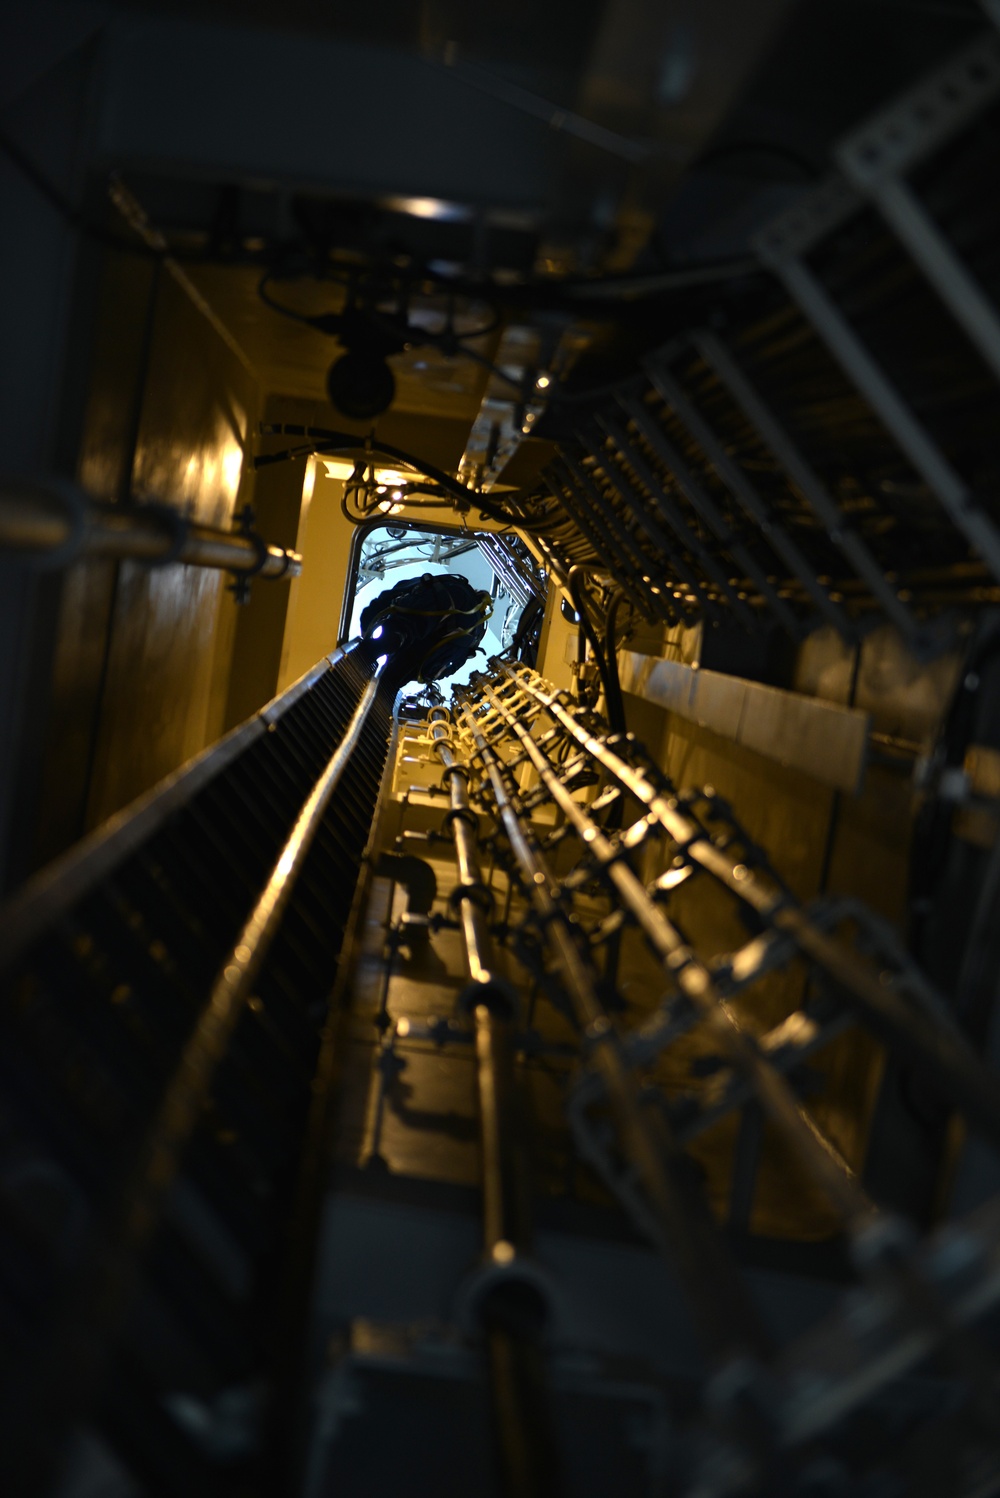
[[324, 539], [142, 656]]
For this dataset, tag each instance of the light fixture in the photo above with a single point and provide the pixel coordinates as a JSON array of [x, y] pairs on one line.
[[338, 468], [385, 478], [360, 384], [543, 382], [440, 210]]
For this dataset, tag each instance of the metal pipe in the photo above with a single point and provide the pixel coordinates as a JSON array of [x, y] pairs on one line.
[[881, 1247], [55, 525], [938, 1048], [613, 543], [723, 1314], [666, 545], [511, 1305], [817, 1155]]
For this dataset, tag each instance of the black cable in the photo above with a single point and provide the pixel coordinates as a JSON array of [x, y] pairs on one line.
[[527, 625], [575, 580], [809, 169], [615, 703], [330, 442], [678, 277], [446, 339], [290, 312], [452, 344]]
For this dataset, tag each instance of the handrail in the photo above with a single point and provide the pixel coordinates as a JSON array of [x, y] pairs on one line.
[[64, 881]]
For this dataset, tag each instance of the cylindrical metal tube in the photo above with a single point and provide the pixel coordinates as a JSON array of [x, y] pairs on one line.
[[879, 1242], [37, 523], [720, 1304], [938, 1049], [511, 1308], [820, 1160]]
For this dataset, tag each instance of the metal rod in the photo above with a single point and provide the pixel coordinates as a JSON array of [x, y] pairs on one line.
[[512, 1310], [710, 565], [735, 481], [686, 1232], [54, 526], [701, 501], [936, 1047], [189, 1086], [54, 889], [665, 544], [618, 535], [896, 415], [722, 363], [881, 1246], [605, 546], [817, 1155], [743, 491], [972, 308]]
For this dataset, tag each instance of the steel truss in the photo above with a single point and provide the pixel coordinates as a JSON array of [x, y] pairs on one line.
[[749, 473]]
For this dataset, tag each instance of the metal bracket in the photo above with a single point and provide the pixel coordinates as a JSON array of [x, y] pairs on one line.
[[923, 118], [875, 158], [896, 415], [723, 365]]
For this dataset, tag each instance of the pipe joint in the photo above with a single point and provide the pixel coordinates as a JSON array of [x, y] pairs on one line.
[[475, 892], [460, 814]]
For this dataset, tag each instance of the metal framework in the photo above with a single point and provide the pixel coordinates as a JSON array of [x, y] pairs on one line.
[[751, 473], [170, 1045], [765, 1419]]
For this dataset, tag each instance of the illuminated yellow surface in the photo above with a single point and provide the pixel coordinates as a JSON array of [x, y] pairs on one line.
[[324, 539], [128, 709]]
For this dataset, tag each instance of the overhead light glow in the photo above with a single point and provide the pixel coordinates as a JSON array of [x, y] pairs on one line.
[[338, 468], [342, 468], [543, 382], [438, 209]]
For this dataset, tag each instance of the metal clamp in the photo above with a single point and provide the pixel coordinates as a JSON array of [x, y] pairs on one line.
[[240, 585]]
